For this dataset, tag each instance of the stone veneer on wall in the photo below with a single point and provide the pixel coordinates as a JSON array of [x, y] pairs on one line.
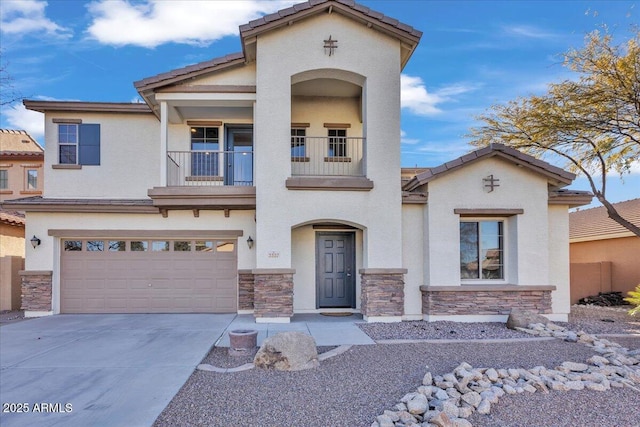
[[245, 290], [36, 290], [382, 291], [484, 300], [273, 292]]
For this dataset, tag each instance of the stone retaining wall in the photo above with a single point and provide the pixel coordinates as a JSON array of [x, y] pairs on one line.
[[273, 292], [36, 290], [245, 290], [382, 292], [484, 300]]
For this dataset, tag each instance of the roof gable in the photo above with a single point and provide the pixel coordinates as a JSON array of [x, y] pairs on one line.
[[557, 176], [18, 141], [408, 35]]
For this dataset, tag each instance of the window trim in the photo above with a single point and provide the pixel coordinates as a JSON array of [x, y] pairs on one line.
[[505, 255], [4, 172], [69, 144]]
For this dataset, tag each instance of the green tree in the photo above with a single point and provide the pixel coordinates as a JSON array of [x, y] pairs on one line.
[[592, 122]]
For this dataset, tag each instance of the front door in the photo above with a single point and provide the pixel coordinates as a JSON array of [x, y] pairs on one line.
[[335, 270], [239, 156]]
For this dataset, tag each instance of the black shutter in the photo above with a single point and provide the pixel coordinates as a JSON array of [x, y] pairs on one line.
[[89, 144]]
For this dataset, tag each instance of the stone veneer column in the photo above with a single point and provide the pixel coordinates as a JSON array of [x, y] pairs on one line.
[[245, 290], [382, 293], [36, 292], [473, 300], [273, 294]]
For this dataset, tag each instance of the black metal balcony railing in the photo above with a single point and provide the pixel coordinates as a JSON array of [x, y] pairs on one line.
[[332, 156], [209, 168]]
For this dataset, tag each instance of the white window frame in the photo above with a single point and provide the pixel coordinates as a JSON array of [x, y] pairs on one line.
[[69, 144], [505, 252]]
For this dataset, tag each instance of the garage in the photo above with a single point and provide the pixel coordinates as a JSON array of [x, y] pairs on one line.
[[114, 275]]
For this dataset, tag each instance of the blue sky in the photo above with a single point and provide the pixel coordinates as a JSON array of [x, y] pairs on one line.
[[473, 54]]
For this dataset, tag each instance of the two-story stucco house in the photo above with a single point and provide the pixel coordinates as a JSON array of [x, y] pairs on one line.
[[269, 182]]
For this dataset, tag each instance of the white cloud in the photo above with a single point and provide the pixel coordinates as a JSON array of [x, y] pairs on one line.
[[408, 141], [415, 97], [153, 22], [528, 31], [18, 17], [22, 119]]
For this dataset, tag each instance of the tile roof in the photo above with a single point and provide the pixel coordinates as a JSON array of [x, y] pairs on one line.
[[369, 14], [508, 153], [190, 71], [11, 217], [595, 224], [18, 142]]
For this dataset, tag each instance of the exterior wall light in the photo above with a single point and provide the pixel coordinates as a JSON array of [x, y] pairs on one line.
[[249, 242], [35, 242]]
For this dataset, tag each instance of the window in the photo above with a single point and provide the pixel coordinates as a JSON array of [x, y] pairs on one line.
[[4, 179], [298, 149], [32, 179], [225, 246], [337, 143], [73, 245], [204, 246], [481, 250], [95, 246], [160, 246], [205, 143], [181, 246], [79, 144], [117, 246], [139, 246]]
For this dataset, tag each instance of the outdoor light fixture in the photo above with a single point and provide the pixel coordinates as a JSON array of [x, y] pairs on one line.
[[250, 242], [35, 242]]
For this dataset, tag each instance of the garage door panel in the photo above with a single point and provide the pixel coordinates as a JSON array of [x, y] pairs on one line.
[[118, 281]]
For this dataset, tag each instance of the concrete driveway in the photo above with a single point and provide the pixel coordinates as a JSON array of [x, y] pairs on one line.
[[100, 370]]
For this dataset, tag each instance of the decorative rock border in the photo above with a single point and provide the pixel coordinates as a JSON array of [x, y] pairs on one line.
[[324, 356], [448, 400]]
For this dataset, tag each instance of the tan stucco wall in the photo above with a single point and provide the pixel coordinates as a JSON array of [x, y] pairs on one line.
[[11, 240], [374, 59], [622, 253], [243, 76], [129, 158], [17, 177], [526, 235]]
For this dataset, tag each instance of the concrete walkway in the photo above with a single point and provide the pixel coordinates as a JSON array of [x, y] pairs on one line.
[[326, 330], [100, 370]]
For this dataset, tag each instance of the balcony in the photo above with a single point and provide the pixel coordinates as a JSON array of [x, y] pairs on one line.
[[196, 180], [209, 168], [323, 163]]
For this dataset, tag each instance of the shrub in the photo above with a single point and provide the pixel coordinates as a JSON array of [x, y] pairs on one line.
[[634, 299]]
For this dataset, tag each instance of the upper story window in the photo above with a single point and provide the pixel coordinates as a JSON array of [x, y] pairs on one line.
[[78, 144], [4, 179], [337, 143], [32, 179], [205, 143], [298, 146], [481, 250]]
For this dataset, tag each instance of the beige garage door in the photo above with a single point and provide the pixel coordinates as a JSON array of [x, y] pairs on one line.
[[148, 276]]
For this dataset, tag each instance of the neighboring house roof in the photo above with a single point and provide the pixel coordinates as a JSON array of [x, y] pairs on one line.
[[94, 107], [18, 143], [285, 17], [556, 175], [11, 218], [595, 224]]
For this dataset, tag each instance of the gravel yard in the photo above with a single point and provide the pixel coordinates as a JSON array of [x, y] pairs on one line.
[[353, 388]]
